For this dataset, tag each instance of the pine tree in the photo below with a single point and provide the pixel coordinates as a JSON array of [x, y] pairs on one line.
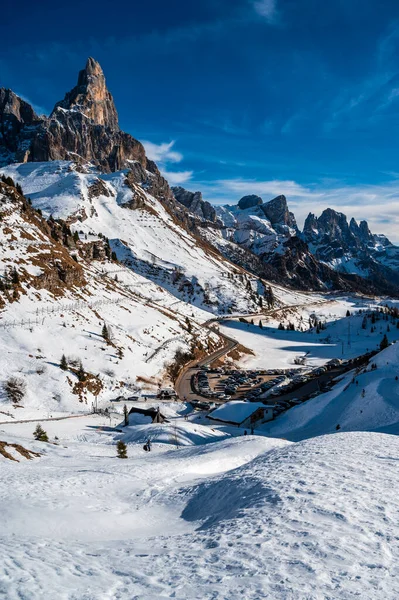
[[80, 373], [384, 342], [348, 314], [121, 449], [39, 434], [126, 415], [188, 324], [269, 297], [14, 276], [281, 327], [76, 236], [64, 363], [260, 325], [105, 333]]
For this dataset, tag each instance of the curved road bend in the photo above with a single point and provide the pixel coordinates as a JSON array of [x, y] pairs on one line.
[[183, 381]]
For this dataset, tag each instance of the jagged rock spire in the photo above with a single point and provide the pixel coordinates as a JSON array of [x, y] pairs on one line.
[[91, 97], [277, 212]]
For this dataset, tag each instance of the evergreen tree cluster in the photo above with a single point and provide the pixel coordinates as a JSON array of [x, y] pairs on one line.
[[39, 434]]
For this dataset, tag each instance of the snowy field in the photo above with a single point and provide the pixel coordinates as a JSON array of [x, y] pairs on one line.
[[343, 337], [247, 517]]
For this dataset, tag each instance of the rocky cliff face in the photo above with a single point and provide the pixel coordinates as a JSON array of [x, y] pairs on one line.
[[83, 127], [91, 97], [18, 122], [194, 202], [334, 240], [277, 212]]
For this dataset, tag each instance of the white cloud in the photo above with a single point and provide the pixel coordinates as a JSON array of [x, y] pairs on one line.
[[273, 187], [162, 153], [177, 178], [266, 9]]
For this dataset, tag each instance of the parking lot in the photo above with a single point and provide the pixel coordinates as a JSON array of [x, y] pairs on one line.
[[221, 385]]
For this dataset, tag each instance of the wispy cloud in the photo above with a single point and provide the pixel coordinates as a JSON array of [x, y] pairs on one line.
[[162, 153], [177, 177], [266, 9], [272, 187]]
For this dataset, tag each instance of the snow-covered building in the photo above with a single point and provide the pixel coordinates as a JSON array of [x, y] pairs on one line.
[[242, 414], [145, 415]]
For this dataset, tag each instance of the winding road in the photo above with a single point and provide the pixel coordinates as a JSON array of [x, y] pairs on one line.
[[183, 382]]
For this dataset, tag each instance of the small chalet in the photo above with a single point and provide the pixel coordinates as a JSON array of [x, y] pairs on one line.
[[242, 414], [138, 416]]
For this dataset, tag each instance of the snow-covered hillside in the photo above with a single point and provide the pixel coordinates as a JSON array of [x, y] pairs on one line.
[[362, 400], [341, 337], [143, 234], [245, 518], [56, 302]]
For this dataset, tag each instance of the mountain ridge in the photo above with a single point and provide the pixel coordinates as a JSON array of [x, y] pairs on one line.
[[260, 236]]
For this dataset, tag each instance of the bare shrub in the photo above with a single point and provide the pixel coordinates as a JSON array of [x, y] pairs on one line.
[[74, 362], [15, 389], [109, 372]]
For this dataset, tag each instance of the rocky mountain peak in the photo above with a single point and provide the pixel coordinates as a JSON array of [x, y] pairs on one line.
[[249, 201], [194, 202], [91, 97], [277, 212], [83, 127], [15, 114]]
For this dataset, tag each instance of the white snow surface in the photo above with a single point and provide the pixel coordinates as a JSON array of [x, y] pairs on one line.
[[364, 400], [235, 411], [249, 517]]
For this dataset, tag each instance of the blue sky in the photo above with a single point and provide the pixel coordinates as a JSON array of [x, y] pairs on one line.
[[299, 97]]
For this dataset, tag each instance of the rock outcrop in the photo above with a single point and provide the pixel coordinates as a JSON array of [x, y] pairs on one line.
[[91, 97], [83, 127], [277, 212], [249, 202], [194, 202], [17, 122]]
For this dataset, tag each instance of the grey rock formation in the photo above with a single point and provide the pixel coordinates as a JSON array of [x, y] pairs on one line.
[[83, 127], [16, 116], [194, 202], [277, 212], [249, 201]]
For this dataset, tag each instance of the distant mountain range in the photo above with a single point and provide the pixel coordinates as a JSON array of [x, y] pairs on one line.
[[262, 237], [329, 253]]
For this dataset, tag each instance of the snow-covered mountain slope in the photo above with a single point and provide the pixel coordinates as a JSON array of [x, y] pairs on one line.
[[55, 299], [260, 227], [246, 518], [341, 337], [141, 231], [362, 400]]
